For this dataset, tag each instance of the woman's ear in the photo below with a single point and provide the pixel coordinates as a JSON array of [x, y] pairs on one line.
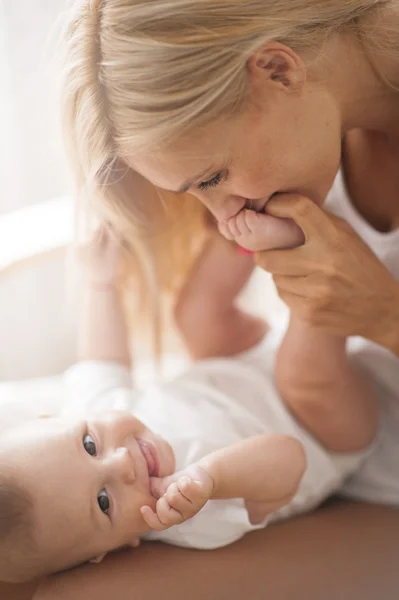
[[98, 559], [275, 62]]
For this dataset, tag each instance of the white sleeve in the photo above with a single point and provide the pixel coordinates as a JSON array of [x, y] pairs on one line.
[[219, 523], [97, 386]]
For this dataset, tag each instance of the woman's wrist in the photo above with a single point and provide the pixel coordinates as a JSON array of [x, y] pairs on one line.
[[387, 329]]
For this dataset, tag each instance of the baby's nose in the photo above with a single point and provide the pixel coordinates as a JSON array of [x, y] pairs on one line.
[[121, 465]]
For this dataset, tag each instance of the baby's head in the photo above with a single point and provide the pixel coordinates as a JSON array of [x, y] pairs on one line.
[[71, 490]]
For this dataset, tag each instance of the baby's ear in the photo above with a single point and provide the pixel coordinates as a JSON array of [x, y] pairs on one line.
[[98, 559]]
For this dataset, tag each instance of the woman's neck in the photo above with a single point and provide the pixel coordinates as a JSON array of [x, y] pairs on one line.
[[365, 83]]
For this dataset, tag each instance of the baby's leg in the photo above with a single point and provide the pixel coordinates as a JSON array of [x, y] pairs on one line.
[[259, 231], [206, 312]]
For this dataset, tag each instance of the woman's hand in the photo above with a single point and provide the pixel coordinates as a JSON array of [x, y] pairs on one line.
[[333, 281]]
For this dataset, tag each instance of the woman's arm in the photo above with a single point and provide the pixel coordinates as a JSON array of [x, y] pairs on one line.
[[333, 281]]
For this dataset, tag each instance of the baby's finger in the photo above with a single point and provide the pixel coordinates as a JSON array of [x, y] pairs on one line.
[[151, 518], [167, 514], [187, 497], [192, 490], [177, 500]]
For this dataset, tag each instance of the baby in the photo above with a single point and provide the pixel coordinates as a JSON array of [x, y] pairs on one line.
[[228, 456]]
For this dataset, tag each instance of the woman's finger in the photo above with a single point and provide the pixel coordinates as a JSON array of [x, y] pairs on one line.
[[313, 221], [299, 285], [293, 263]]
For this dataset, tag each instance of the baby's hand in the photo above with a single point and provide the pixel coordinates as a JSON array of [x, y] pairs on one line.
[[181, 498], [100, 257]]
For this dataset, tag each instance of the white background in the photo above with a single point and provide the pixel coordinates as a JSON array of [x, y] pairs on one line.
[[32, 165]]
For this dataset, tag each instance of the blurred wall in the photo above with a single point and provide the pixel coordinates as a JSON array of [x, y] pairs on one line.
[[32, 166]]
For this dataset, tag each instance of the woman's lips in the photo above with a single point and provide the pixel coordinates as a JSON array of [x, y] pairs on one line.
[[150, 454]]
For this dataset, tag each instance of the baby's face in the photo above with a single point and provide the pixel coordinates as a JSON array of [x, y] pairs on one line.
[[89, 479]]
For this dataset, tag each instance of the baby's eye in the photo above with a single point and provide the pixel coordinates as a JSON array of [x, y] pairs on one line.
[[89, 445], [103, 502]]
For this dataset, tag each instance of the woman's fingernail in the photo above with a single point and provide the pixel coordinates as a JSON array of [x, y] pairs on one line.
[[243, 251]]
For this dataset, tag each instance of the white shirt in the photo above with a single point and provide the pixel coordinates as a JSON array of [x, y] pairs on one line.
[[378, 478], [213, 404]]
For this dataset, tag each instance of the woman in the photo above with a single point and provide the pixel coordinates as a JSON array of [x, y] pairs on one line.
[[253, 105]]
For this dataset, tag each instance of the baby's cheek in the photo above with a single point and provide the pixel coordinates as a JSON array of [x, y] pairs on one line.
[[133, 522], [167, 458]]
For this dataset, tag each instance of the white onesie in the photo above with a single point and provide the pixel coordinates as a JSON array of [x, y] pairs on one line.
[[213, 404]]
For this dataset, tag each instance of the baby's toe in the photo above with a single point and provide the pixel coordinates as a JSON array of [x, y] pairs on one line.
[[259, 231]]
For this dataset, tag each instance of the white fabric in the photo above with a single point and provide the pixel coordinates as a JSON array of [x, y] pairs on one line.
[[213, 404], [378, 478]]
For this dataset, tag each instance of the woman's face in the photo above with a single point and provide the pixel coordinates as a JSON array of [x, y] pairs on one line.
[[287, 140]]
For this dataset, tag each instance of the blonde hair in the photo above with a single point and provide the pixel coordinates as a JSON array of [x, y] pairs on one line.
[[140, 74]]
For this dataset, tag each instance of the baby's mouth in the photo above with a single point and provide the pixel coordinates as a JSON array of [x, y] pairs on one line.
[[149, 452]]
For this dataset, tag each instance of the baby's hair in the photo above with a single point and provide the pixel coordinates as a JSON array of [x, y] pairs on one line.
[[17, 555]]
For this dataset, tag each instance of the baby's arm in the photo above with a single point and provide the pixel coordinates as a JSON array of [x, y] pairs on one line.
[[264, 470], [102, 328], [206, 312], [324, 389]]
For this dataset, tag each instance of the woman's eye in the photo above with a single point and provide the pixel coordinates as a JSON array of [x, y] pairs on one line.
[[103, 502], [89, 445], [216, 179]]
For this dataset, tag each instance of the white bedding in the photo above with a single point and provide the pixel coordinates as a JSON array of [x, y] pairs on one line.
[[22, 400]]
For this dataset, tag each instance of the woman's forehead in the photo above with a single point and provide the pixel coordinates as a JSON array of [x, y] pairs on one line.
[[196, 153], [177, 169]]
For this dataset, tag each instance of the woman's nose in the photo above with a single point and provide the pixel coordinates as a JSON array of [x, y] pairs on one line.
[[223, 208], [120, 465]]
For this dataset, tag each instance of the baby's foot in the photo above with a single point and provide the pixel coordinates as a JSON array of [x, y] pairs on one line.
[[259, 231]]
